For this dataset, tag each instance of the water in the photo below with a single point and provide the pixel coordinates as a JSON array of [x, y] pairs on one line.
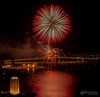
[[53, 84], [48, 83]]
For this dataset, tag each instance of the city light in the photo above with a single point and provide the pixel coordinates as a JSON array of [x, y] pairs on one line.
[[14, 85]]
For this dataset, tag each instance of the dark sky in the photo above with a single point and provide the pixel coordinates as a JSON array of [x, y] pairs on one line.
[[16, 18]]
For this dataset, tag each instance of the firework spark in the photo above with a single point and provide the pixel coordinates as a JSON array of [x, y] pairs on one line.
[[51, 24], [50, 54]]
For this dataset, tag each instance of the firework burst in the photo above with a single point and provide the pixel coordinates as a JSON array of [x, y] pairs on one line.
[[51, 24]]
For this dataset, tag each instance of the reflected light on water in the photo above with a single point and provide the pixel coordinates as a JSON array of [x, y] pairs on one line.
[[55, 84]]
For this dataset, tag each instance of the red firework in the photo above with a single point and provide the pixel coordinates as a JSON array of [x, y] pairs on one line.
[[51, 24]]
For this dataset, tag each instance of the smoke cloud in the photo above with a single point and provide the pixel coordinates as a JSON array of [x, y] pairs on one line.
[[25, 50]]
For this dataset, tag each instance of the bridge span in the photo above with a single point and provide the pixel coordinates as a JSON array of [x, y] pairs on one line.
[[30, 63], [59, 60]]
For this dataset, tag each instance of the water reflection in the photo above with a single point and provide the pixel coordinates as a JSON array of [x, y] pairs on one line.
[[45, 84], [54, 84]]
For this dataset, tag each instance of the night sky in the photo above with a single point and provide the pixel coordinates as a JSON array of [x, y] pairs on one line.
[[16, 18]]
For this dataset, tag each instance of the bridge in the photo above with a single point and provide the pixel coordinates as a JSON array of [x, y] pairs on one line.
[[59, 60], [30, 63]]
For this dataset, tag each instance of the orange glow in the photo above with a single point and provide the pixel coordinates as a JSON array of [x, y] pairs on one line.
[[28, 65], [23, 65], [33, 65], [14, 85]]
